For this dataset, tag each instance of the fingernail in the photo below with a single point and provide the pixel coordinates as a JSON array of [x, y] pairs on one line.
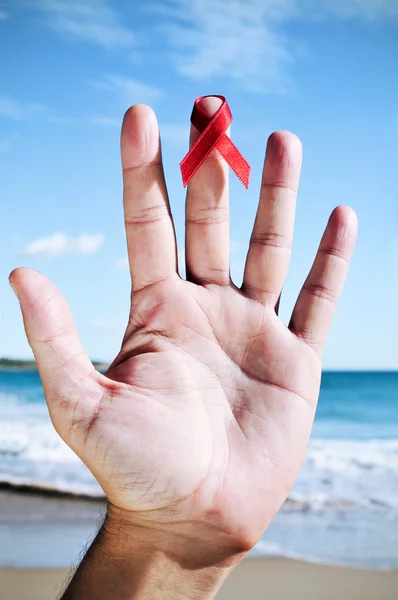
[[14, 289]]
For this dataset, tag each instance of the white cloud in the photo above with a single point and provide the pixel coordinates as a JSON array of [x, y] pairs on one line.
[[11, 108], [17, 110], [244, 40], [129, 90], [236, 40], [363, 9], [240, 40], [38, 109], [59, 244], [3, 15], [96, 120], [90, 20], [57, 120]]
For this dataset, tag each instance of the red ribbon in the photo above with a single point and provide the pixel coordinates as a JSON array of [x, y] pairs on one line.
[[213, 136]]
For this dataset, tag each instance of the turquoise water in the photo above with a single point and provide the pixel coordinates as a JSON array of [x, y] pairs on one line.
[[358, 406], [342, 509]]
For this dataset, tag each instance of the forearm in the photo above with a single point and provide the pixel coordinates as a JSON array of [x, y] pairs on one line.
[[130, 562]]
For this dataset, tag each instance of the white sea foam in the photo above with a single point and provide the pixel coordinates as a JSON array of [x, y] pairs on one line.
[[275, 549], [336, 475], [32, 453], [342, 509], [347, 473]]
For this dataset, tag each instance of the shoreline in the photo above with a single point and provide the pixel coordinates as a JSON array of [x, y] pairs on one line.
[[43, 535], [33, 520], [43, 491], [253, 579]]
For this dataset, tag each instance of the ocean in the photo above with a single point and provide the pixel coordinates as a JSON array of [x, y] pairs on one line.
[[343, 508]]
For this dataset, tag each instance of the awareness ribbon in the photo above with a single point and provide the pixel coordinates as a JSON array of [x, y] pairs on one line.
[[213, 136]]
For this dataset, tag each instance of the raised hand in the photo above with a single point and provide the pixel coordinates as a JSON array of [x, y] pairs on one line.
[[201, 422]]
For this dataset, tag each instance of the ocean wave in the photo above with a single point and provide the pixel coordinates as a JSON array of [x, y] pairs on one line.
[[343, 509], [62, 488], [336, 474], [349, 473], [338, 554], [278, 550]]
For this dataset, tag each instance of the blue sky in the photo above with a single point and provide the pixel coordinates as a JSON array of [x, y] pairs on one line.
[[324, 69]]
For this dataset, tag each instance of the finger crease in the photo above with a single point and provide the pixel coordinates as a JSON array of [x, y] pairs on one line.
[[206, 220], [272, 240], [319, 291], [279, 185], [334, 252], [143, 165], [144, 221]]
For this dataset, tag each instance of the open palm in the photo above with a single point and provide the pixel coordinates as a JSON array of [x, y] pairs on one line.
[[205, 414]]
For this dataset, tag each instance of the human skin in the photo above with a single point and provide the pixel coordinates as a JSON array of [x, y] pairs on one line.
[[198, 429]]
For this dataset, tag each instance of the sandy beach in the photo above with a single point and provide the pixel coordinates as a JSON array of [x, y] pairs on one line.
[[253, 579], [38, 531]]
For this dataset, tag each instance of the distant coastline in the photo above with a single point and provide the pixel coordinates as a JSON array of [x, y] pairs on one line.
[[15, 364]]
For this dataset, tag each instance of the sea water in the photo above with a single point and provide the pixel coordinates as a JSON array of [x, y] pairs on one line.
[[343, 508]]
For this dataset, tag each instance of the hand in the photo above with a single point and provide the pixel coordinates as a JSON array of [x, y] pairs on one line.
[[200, 424]]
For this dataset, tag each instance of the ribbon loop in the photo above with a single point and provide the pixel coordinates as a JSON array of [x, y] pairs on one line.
[[212, 135]]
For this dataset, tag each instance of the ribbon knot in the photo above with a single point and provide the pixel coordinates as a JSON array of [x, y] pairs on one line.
[[213, 136]]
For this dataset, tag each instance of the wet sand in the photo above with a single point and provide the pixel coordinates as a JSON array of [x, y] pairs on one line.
[[39, 531]]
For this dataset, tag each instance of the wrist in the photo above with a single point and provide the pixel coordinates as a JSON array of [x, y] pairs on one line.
[[174, 561]]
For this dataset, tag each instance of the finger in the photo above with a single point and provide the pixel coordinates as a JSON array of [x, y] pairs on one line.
[[207, 215], [271, 241], [68, 376], [149, 226], [317, 301]]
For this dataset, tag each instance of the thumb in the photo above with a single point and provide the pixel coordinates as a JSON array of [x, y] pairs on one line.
[[69, 379]]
